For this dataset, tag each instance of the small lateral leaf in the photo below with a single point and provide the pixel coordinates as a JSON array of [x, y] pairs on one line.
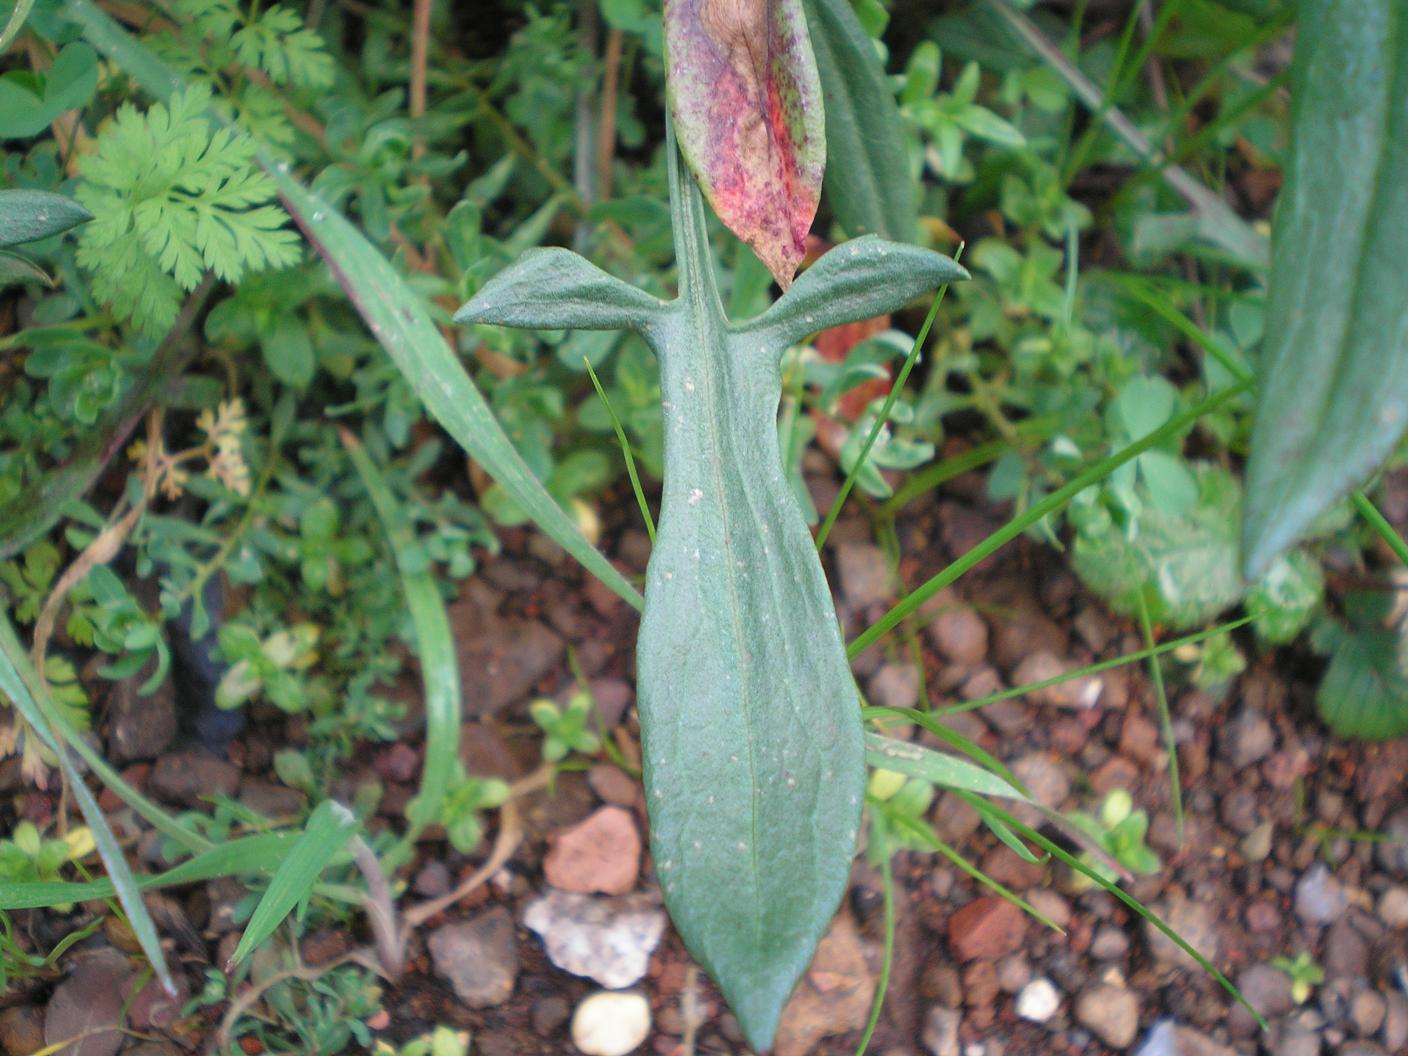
[[329, 827], [27, 216], [914, 760], [1333, 399], [745, 97], [556, 289], [868, 184], [859, 279]]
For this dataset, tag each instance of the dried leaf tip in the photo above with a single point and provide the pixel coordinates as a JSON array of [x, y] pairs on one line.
[[745, 98]]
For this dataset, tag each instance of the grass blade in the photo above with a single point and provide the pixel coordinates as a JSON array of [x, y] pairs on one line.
[[329, 828], [241, 857], [948, 771], [625, 451], [435, 646], [885, 409], [13, 661], [1156, 674]]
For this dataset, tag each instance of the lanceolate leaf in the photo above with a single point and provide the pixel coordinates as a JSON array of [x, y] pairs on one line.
[[746, 102], [1334, 378], [750, 722], [868, 184]]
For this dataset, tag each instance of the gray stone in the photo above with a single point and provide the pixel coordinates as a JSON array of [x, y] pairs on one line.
[[478, 957], [941, 1031], [1394, 1034], [1081, 692], [1110, 943], [184, 777], [1320, 898], [1393, 852], [959, 636], [864, 574], [606, 939], [894, 686], [1268, 990], [500, 659], [1297, 1041], [1346, 951], [1393, 907], [89, 1005], [1047, 781], [140, 727], [1167, 1038], [1199, 924], [1246, 740], [1367, 1010], [1111, 1013]]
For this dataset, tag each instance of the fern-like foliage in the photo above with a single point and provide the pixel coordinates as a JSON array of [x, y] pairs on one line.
[[171, 199], [273, 40]]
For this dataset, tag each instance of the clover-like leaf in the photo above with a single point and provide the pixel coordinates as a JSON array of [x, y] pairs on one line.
[[745, 97]]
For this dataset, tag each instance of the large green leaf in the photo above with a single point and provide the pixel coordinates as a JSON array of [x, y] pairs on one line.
[[868, 184], [1334, 378], [750, 722]]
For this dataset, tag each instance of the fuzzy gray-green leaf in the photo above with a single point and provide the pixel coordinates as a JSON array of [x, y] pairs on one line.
[[862, 278], [27, 216], [1334, 377], [556, 289]]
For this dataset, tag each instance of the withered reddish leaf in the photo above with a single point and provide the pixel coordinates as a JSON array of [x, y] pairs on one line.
[[746, 102]]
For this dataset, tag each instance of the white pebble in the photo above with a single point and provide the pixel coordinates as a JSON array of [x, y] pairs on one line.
[[1038, 1001], [610, 1023]]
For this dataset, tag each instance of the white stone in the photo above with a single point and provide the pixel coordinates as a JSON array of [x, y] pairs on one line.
[[611, 1023], [1038, 1001]]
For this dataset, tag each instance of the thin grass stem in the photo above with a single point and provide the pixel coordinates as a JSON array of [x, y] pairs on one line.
[[626, 451], [1156, 673]]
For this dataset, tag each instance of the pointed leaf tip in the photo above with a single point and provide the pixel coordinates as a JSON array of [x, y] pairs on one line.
[[745, 98]]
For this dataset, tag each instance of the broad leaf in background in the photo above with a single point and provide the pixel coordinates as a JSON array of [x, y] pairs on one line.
[[868, 184], [750, 723], [1333, 398], [746, 101], [30, 102]]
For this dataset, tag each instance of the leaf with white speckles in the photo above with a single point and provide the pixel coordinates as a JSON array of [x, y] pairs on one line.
[[746, 101]]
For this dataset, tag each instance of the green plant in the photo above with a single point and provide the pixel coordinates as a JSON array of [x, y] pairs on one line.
[[565, 729], [442, 1041], [465, 799], [1304, 972], [1119, 830]]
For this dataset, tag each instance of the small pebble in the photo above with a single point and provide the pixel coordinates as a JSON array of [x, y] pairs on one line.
[[1111, 1013], [1366, 1010], [1393, 907], [1320, 898], [611, 1023], [941, 1031], [1038, 1001]]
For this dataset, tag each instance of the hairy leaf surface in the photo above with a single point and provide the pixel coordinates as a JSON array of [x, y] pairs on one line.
[[1334, 378], [750, 721], [746, 101]]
